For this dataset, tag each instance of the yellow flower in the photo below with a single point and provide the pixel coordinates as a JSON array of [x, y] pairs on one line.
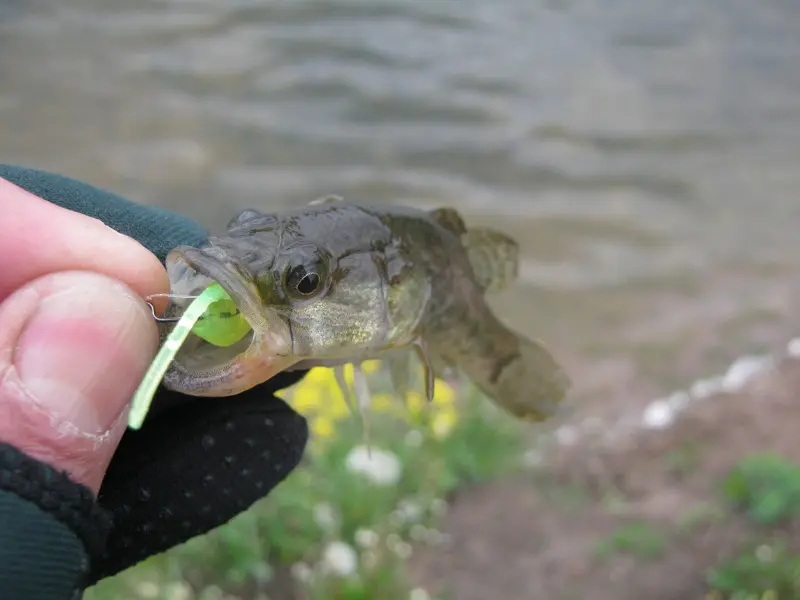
[[383, 403], [322, 428], [334, 404], [337, 405], [443, 393], [371, 366], [318, 375], [319, 392], [415, 404], [306, 397], [319, 398], [440, 415], [443, 423]]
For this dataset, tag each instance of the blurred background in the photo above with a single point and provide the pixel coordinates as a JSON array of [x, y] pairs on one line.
[[644, 154]]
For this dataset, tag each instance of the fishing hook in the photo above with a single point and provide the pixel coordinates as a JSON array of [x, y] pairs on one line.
[[153, 308]]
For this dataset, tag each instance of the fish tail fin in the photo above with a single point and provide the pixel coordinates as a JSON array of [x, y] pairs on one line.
[[518, 374], [494, 257]]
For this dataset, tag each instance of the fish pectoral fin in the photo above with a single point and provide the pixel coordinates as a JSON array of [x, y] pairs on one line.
[[427, 369], [341, 381], [450, 219], [399, 365], [327, 200], [494, 257]]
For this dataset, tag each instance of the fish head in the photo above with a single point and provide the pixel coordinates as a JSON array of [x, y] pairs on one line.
[[311, 288]]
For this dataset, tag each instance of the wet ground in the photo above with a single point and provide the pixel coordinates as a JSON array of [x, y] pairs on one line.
[[640, 518]]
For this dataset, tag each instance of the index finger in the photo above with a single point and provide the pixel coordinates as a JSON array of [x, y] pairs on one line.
[[38, 238]]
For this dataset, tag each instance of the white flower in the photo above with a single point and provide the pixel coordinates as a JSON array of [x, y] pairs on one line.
[[325, 517], [262, 572], [397, 545], [339, 559], [419, 594], [434, 537], [396, 519], [658, 415], [418, 532], [379, 466], [402, 550], [366, 538], [212, 592], [765, 554], [566, 435], [148, 589], [178, 590], [414, 438], [409, 510], [743, 369], [793, 348], [302, 572], [369, 559], [532, 458], [438, 507]]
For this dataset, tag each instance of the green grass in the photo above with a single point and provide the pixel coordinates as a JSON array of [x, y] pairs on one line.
[[567, 497], [766, 487], [765, 571], [334, 532], [700, 515], [684, 460], [636, 539]]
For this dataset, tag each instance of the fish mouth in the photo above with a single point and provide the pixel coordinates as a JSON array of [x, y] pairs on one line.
[[201, 368]]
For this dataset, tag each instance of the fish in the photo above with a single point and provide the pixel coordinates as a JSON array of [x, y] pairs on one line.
[[334, 282]]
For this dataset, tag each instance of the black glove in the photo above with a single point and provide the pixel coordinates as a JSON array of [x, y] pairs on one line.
[[195, 464]]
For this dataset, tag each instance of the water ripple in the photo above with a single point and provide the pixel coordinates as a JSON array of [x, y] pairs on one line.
[[669, 114]]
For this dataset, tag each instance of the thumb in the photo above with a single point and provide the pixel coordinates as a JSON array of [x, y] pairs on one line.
[[73, 347]]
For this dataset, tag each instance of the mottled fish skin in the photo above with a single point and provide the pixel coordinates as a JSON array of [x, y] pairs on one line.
[[388, 278]]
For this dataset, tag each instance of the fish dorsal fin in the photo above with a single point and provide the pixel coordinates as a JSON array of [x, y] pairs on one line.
[[494, 257], [449, 219], [327, 200], [243, 217]]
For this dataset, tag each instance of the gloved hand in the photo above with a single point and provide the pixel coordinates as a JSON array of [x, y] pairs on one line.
[[195, 464]]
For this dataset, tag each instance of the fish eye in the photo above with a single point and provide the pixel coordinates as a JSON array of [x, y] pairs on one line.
[[306, 279]]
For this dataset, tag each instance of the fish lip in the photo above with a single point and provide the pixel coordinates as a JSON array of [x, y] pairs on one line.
[[267, 354], [225, 274]]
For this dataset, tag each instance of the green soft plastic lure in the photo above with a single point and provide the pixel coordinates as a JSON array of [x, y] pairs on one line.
[[213, 316], [221, 324]]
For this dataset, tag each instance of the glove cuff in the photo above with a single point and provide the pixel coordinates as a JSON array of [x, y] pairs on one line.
[[50, 526]]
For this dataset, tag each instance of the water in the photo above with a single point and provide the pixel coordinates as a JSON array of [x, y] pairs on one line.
[[645, 153]]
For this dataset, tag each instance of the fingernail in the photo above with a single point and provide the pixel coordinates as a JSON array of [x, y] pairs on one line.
[[84, 350]]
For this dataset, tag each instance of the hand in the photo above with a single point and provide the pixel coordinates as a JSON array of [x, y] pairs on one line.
[[75, 338]]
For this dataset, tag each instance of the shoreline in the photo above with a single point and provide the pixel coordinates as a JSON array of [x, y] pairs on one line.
[[663, 412], [626, 508]]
